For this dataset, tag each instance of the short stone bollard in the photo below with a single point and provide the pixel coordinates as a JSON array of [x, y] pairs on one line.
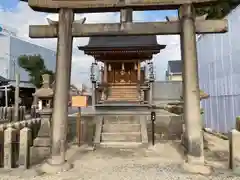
[[25, 142], [10, 139], [234, 151], [1, 147]]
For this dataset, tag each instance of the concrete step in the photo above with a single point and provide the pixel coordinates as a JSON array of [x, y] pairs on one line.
[[125, 91], [123, 99], [121, 120], [121, 137], [123, 87], [122, 145], [114, 128], [123, 95]]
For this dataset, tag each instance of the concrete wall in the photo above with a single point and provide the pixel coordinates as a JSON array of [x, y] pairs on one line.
[[88, 126], [167, 90], [166, 127]]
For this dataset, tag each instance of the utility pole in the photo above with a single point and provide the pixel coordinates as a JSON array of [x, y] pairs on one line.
[[16, 107]]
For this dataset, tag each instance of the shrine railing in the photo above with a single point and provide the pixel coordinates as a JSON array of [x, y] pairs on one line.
[[7, 114], [15, 140]]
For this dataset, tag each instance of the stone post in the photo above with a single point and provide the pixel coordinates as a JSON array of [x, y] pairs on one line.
[[57, 163], [25, 142], [234, 151], [10, 139], [191, 96]]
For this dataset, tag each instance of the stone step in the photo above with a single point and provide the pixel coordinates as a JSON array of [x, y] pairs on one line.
[[122, 99], [115, 121], [123, 95], [123, 90], [120, 145], [121, 137], [123, 87], [114, 128], [121, 120], [128, 94]]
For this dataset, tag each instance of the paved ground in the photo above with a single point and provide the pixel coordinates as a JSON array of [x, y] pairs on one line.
[[163, 161]]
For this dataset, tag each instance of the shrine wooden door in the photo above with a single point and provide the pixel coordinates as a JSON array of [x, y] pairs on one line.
[[119, 73]]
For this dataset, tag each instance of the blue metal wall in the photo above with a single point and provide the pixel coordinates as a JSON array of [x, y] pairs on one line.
[[19, 47], [219, 75]]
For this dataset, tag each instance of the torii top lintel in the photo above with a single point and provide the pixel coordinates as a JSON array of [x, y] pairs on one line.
[[88, 6]]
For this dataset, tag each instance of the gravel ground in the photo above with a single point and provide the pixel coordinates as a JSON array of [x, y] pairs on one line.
[[160, 162]]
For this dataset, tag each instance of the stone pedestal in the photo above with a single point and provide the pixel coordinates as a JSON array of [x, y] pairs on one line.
[[42, 143]]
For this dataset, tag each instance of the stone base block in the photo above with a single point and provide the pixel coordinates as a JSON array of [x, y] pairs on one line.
[[38, 154], [236, 171], [53, 168], [42, 142], [197, 168], [195, 160]]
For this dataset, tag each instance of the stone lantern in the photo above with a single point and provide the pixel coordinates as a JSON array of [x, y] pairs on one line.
[[42, 143], [45, 94]]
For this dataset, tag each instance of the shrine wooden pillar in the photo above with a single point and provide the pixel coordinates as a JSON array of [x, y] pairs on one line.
[[105, 71], [139, 71], [192, 117]]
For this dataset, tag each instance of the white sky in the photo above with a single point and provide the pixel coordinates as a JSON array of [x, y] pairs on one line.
[[23, 16]]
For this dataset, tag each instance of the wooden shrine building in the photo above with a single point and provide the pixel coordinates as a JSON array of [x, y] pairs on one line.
[[122, 77]]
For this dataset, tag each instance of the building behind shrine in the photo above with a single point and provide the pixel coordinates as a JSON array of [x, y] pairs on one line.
[[12, 47], [219, 74]]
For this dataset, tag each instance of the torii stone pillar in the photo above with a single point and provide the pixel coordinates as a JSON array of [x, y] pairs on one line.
[[192, 118], [57, 162]]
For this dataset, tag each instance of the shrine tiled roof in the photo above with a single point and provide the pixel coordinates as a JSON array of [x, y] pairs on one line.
[[123, 42]]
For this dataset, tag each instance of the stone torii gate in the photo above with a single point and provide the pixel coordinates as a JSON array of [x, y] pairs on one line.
[[187, 26]]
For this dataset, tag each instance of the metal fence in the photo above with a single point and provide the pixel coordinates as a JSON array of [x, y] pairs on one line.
[[219, 74]]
